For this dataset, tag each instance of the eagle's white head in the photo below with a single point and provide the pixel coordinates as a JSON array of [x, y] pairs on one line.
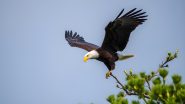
[[91, 55]]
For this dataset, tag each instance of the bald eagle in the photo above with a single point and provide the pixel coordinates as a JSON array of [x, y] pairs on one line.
[[117, 34]]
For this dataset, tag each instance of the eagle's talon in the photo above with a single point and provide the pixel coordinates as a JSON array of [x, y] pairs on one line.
[[108, 74]]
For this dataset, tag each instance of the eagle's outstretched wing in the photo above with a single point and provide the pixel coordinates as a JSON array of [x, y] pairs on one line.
[[75, 40], [118, 32]]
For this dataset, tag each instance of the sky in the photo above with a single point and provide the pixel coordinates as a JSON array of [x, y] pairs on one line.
[[37, 66]]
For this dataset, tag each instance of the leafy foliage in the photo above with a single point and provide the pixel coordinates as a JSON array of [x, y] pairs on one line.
[[119, 99], [151, 88]]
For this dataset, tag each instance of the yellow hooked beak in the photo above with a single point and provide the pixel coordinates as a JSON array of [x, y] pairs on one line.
[[85, 59]]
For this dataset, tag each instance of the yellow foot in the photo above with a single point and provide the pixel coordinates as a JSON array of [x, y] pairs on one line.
[[108, 74]]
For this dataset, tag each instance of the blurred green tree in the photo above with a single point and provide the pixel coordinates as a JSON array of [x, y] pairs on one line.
[[151, 88]]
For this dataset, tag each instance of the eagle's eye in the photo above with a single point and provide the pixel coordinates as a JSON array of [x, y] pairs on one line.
[[87, 55]]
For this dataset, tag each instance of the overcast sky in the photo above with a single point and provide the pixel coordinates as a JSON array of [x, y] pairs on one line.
[[37, 66]]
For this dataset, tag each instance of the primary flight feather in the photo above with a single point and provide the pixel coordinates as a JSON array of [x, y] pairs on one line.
[[117, 34]]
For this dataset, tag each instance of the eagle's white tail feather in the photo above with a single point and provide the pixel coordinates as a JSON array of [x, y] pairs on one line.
[[124, 57]]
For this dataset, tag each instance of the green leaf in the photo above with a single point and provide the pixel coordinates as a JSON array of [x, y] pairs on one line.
[[121, 94], [111, 99], [151, 102], [142, 74], [163, 72], [169, 54], [135, 102], [156, 91], [152, 73], [176, 79], [157, 81]]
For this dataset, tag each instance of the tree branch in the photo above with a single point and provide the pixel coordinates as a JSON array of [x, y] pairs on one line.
[[126, 91], [148, 83]]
